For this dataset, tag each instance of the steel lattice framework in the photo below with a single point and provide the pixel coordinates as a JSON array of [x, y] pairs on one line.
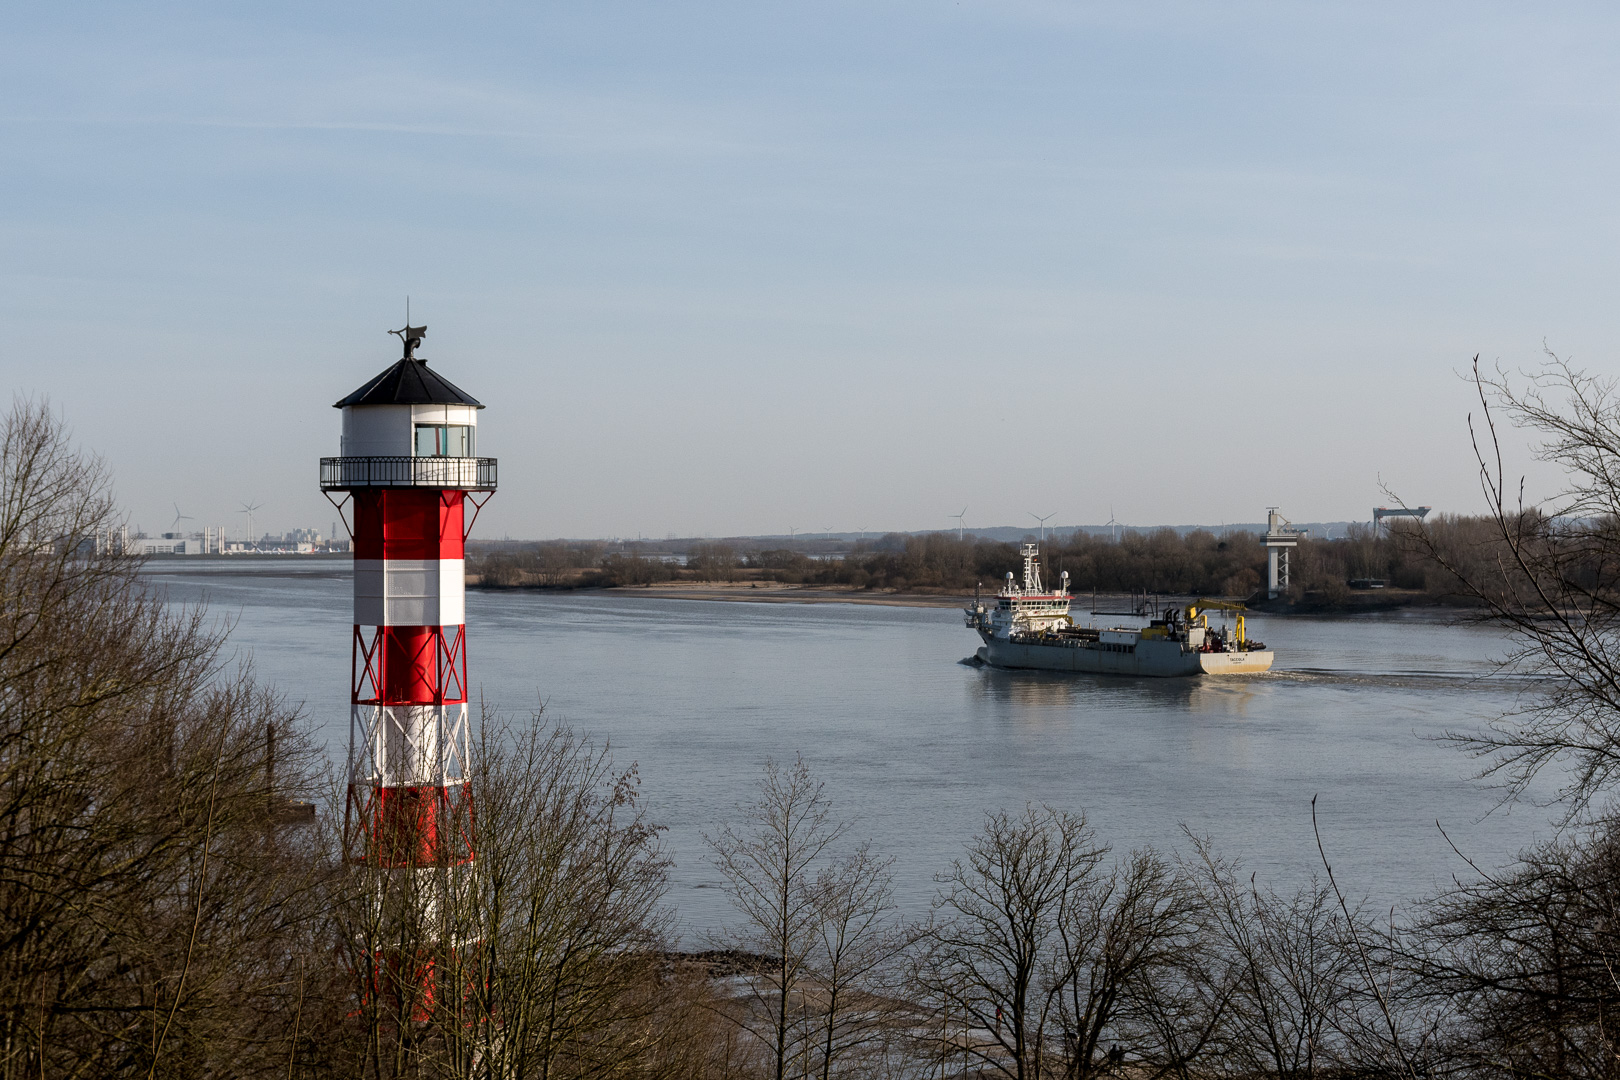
[[409, 737]]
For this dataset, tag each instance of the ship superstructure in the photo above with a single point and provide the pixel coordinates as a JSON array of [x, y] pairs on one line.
[[1028, 627], [1026, 607]]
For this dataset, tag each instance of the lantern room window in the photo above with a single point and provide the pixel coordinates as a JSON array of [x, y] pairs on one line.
[[444, 440]]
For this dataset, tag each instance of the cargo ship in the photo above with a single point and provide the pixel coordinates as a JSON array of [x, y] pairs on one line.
[[1029, 627]]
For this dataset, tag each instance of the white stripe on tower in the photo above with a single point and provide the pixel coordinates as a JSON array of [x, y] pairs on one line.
[[409, 592]]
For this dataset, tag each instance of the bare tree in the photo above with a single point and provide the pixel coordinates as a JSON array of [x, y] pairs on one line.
[[1175, 1020], [770, 868], [1549, 572], [854, 941], [154, 914], [1289, 964], [1519, 965], [993, 953], [391, 927], [1523, 964], [1124, 935], [566, 902]]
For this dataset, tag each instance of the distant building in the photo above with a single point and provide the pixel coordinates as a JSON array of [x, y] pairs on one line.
[[211, 541], [167, 544]]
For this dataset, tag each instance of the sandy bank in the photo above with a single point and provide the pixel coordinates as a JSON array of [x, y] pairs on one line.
[[775, 593]]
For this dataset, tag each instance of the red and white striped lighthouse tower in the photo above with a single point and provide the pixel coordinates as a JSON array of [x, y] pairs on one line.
[[414, 483]]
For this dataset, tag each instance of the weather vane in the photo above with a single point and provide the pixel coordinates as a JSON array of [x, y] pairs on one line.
[[410, 336]]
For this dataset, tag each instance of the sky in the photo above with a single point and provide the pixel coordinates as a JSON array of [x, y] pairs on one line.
[[736, 268]]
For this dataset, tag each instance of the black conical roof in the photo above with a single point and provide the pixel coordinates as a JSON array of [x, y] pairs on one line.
[[409, 382]]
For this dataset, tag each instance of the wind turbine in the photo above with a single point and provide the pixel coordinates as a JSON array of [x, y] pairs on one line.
[[1113, 526], [828, 529], [793, 534], [1043, 521], [178, 518], [961, 523], [248, 508], [863, 532]]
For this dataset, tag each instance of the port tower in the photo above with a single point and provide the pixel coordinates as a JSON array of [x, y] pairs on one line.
[[1280, 537], [409, 484]]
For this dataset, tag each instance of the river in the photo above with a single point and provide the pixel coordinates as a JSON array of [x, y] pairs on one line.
[[916, 746]]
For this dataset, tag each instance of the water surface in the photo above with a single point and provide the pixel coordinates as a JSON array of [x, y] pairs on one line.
[[917, 746]]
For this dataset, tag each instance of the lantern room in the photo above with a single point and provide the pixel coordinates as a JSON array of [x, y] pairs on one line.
[[409, 427]]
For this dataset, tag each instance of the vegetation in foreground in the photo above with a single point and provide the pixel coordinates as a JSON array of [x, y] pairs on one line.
[[163, 912]]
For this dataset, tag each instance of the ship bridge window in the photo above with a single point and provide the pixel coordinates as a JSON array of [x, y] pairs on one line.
[[444, 440]]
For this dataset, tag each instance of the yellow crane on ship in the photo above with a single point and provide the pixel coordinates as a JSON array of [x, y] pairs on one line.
[[1196, 609], [1193, 613]]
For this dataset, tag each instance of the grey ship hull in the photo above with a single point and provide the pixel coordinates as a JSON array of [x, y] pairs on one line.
[[1156, 658]]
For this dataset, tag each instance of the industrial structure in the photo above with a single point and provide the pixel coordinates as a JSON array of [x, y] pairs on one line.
[[410, 485], [1382, 512], [1280, 537]]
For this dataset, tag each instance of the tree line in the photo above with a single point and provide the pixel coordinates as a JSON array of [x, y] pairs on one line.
[[1401, 557], [167, 908]]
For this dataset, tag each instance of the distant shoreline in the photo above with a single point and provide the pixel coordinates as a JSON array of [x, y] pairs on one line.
[[773, 592]]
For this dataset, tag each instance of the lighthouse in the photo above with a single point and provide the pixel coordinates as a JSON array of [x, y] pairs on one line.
[[409, 483]]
